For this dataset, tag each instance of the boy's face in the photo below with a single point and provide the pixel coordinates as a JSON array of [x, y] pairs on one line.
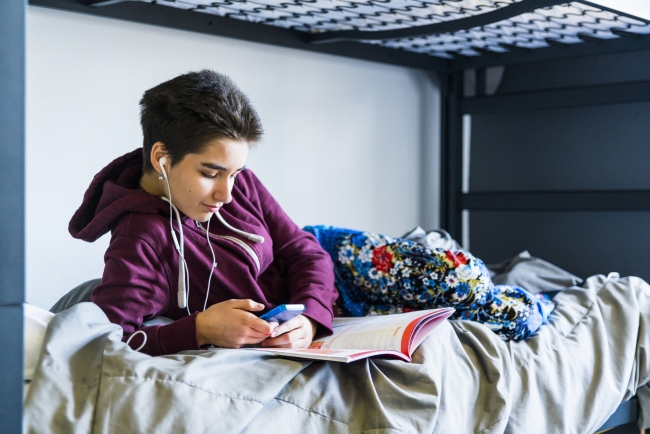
[[202, 183]]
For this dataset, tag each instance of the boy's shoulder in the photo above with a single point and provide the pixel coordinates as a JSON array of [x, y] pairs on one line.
[[247, 177], [247, 183], [150, 227]]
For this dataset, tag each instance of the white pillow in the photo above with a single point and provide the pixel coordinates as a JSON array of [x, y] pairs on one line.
[[36, 321], [35, 324]]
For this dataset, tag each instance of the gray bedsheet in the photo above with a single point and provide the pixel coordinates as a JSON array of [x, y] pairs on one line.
[[534, 274], [463, 378]]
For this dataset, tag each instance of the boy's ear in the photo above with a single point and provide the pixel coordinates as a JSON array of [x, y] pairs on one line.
[[158, 151]]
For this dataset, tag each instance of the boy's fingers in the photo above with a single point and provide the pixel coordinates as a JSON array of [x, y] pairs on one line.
[[290, 338], [262, 326], [253, 336], [250, 339], [256, 336], [247, 305], [285, 327], [277, 342]]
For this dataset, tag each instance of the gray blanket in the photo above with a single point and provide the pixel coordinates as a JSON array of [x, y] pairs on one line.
[[463, 378]]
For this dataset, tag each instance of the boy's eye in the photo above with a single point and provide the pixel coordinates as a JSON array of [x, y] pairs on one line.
[[207, 175]]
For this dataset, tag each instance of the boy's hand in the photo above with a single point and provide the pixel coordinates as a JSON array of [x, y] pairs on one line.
[[298, 332], [230, 324]]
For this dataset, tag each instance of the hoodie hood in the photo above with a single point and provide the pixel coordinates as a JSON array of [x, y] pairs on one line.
[[114, 191]]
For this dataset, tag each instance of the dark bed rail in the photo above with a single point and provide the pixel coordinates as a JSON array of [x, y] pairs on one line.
[[615, 93], [12, 223], [610, 200]]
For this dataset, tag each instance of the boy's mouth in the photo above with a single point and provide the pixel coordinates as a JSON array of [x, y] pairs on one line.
[[211, 208]]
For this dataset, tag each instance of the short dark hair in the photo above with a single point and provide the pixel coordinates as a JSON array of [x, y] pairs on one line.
[[192, 109]]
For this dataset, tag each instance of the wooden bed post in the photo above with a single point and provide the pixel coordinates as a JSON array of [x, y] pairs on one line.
[[451, 150], [12, 221]]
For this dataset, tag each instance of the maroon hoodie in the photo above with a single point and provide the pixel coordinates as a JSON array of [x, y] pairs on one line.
[[140, 280]]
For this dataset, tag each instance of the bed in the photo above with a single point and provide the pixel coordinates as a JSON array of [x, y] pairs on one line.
[[500, 63], [463, 378]]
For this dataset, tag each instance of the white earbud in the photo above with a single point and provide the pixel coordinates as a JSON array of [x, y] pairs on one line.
[[162, 162]]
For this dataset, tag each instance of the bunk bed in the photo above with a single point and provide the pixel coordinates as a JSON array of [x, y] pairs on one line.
[[467, 43]]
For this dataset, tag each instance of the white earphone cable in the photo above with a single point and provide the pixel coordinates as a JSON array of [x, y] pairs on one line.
[[143, 342], [214, 264], [183, 271], [186, 276], [252, 237]]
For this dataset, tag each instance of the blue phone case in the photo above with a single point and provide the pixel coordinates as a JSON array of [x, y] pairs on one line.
[[283, 313]]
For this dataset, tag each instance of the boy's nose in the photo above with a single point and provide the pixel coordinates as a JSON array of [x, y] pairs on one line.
[[223, 192]]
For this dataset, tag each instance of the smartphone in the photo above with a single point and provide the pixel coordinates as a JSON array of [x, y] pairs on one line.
[[283, 313]]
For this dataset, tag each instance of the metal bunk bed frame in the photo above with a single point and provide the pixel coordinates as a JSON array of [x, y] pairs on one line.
[[351, 43]]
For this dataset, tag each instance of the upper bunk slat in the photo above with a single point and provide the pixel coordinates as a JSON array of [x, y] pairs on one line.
[[450, 26], [442, 35], [620, 45], [248, 31], [444, 28]]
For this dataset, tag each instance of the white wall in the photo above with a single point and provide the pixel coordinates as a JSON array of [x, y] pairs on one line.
[[342, 145]]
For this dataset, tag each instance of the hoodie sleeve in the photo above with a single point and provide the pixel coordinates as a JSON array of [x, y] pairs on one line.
[[309, 269], [135, 288]]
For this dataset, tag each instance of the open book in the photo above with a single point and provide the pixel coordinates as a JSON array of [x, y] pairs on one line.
[[394, 336]]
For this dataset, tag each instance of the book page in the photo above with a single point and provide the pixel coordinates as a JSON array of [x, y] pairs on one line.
[[344, 356], [383, 332], [394, 336], [424, 328]]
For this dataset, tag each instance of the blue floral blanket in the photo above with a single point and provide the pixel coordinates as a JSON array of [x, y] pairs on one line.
[[378, 274]]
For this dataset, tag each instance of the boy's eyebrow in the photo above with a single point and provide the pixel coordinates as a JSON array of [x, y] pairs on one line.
[[217, 167]]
